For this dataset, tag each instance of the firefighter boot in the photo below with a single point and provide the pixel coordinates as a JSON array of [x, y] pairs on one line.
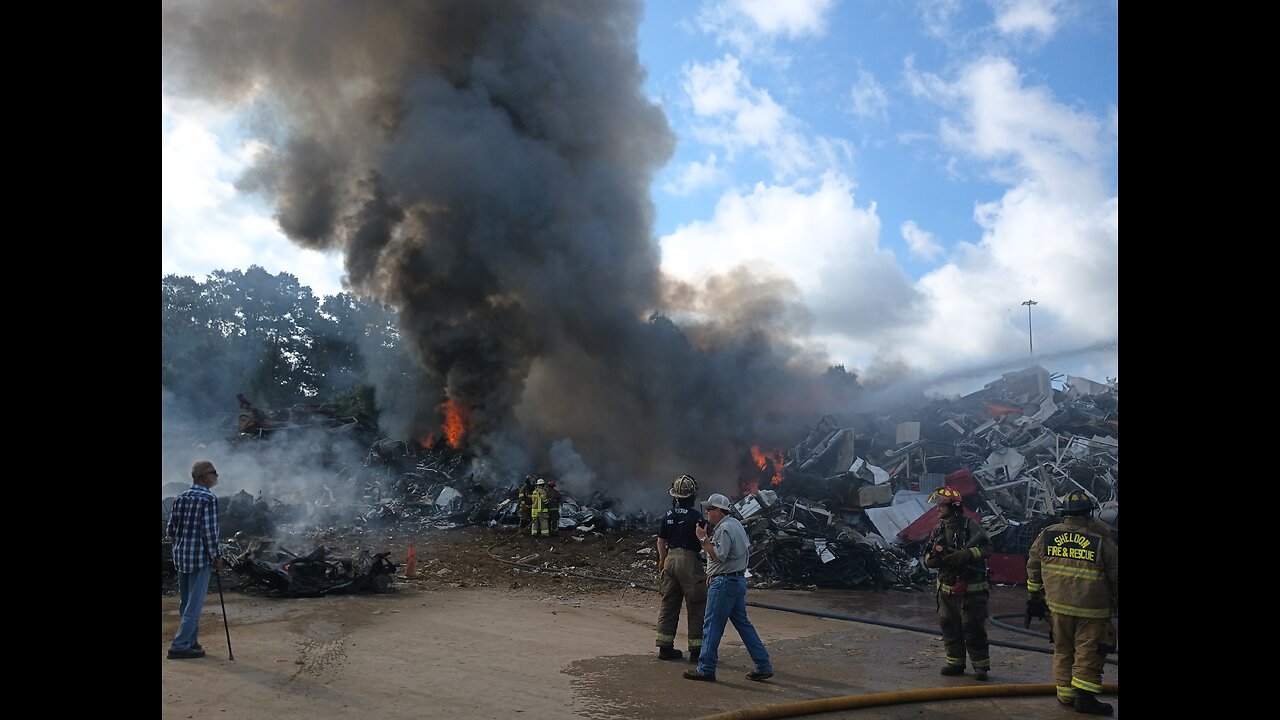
[[694, 654], [950, 669], [666, 652], [1087, 703]]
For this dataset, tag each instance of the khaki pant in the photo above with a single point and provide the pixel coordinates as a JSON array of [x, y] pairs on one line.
[[684, 581], [1080, 647]]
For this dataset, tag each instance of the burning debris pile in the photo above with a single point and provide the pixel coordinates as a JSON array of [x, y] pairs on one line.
[[847, 506]]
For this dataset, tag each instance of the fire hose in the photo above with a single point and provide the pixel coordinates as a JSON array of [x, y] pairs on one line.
[[896, 697]]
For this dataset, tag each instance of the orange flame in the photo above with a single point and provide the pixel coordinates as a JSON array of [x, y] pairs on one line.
[[456, 422], [764, 459]]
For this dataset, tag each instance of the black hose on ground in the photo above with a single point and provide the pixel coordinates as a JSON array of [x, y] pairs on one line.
[[766, 606], [901, 626], [995, 620]]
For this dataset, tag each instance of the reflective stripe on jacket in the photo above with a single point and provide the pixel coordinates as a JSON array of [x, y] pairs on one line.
[[1077, 565]]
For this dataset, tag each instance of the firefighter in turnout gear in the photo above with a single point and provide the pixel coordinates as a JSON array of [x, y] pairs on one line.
[[959, 547], [1073, 567], [526, 501], [539, 511], [553, 506], [682, 577]]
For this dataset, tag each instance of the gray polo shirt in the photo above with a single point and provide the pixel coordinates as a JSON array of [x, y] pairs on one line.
[[732, 546]]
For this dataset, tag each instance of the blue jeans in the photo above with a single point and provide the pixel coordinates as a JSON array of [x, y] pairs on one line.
[[727, 601], [192, 587]]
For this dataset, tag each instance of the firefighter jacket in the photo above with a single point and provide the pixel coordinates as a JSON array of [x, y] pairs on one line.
[[525, 493], [553, 498], [966, 535], [539, 500], [1077, 565]]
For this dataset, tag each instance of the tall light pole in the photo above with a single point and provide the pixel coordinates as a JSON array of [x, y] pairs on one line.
[[1030, 345]]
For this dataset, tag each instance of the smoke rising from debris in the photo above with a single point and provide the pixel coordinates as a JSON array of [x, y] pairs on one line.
[[484, 166]]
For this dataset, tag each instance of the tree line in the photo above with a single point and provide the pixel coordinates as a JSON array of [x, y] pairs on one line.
[[270, 338]]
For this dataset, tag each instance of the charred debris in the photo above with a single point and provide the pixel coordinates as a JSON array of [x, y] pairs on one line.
[[845, 507]]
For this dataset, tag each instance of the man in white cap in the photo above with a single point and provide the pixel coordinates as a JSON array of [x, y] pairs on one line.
[[728, 549]]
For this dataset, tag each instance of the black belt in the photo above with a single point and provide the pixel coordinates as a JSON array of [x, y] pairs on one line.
[[730, 574], [683, 549]]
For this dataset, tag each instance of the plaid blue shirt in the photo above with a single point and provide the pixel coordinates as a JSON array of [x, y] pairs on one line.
[[193, 528]]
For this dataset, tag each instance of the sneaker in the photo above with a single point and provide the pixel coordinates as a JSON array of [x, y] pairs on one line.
[[185, 654], [666, 653], [758, 676], [980, 675], [695, 675], [952, 669]]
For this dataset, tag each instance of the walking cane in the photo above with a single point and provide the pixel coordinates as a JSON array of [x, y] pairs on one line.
[[218, 575]]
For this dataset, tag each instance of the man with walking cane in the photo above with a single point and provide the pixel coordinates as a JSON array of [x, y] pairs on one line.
[[193, 529]]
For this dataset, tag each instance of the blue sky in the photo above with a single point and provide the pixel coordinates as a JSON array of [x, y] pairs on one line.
[[914, 170]]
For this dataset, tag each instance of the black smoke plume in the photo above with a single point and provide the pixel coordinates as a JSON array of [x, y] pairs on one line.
[[484, 166]]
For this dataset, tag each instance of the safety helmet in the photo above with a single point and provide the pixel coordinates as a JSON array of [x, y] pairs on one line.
[[1077, 501], [684, 486], [945, 495], [541, 481]]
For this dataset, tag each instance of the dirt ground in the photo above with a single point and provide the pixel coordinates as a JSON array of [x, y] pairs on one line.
[[478, 636]]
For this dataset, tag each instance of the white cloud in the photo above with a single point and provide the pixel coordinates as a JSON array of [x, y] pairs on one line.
[[1024, 131], [820, 240], [206, 225], [1014, 17], [937, 15], [763, 228], [920, 241], [793, 18], [749, 26], [737, 116], [1052, 237], [870, 101], [694, 176]]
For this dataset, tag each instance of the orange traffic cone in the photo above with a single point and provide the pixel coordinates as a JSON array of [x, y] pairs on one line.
[[411, 567]]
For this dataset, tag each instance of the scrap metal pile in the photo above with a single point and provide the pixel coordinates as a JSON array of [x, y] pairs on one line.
[[286, 573], [848, 505]]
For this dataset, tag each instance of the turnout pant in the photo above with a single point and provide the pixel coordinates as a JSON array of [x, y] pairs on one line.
[[1080, 647], [541, 524], [683, 582], [963, 620]]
